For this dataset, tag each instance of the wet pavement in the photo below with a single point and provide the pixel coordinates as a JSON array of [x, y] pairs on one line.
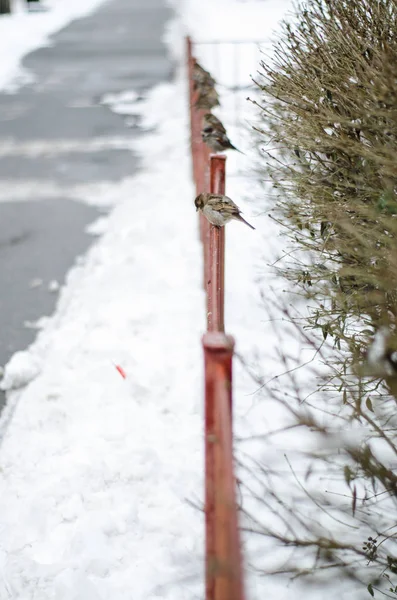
[[43, 215]]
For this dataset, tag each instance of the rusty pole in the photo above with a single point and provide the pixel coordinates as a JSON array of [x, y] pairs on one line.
[[205, 187], [190, 64], [216, 272], [223, 552], [199, 151], [224, 578]]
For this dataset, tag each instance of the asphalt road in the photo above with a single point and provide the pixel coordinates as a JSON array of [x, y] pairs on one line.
[[42, 217]]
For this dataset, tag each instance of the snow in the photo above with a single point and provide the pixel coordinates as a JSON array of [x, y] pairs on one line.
[[19, 371], [107, 464], [101, 476], [21, 32]]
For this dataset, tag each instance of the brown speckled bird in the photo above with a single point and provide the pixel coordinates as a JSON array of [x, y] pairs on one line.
[[219, 209], [210, 120], [207, 98], [214, 134], [201, 77]]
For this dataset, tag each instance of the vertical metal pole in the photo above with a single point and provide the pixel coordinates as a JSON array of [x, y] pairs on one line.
[[190, 63], [205, 187], [224, 579], [210, 555], [216, 284], [198, 149], [204, 224], [200, 154], [213, 283]]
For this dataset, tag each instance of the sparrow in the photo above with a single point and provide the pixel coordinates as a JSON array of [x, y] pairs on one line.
[[201, 77], [214, 134], [207, 98], [210, 120], [381, 356], [219, 209]]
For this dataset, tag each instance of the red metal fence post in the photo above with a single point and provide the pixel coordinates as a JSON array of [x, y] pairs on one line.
[[213, 281], [218, 186], [190, 63], [224, 579], [199, 151], [194, 123], [216, 281]]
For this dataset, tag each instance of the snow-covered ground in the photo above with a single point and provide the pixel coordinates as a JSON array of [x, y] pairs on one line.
[[99, 474], [93, 501], [21, 32]]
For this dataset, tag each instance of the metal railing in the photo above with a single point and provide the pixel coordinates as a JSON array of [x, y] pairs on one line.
[[224, 572]]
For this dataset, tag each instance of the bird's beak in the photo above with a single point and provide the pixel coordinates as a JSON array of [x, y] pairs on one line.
[[196, 208]]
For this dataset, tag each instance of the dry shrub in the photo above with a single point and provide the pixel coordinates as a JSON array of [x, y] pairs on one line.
[[329, 109]]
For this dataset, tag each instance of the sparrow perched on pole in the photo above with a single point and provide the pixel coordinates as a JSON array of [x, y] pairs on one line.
[[210, 120], [201, 77], [214, 134], [219, 209], [204, 84], [207, 98]]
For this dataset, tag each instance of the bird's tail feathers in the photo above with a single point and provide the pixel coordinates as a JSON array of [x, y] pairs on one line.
[[240, 218], [234, 148]]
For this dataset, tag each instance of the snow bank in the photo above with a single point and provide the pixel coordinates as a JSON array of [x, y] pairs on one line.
[[97, 471]]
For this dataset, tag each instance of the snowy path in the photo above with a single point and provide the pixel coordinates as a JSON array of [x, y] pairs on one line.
[[96, 471], [62, 150], [101, 477]]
